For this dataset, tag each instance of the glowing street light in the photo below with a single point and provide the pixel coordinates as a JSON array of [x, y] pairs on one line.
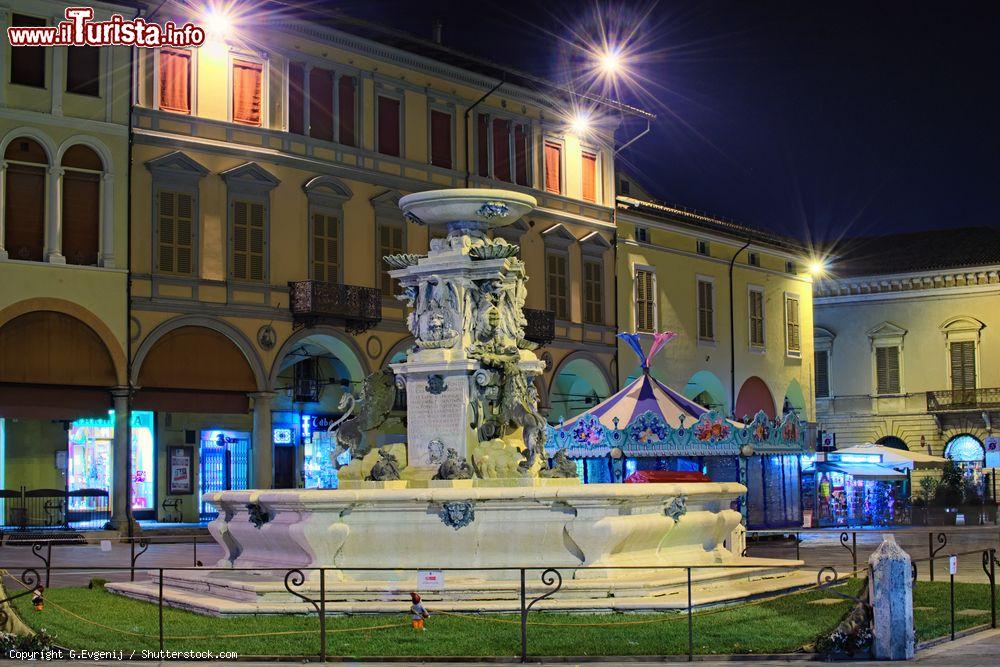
[[610, 62], [218, 23], [581, 123], [817, 267]]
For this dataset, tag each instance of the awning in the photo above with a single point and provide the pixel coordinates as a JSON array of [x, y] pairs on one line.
[[897, 458], [856, 470]]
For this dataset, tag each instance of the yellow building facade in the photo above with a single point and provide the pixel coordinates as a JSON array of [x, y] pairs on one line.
[[267, 171], [63, 262]]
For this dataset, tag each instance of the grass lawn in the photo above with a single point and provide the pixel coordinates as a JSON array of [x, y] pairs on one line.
[[775, 626], [932, 608]]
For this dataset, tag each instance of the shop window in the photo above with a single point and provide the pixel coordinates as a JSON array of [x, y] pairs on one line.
[[27, 64], [175, 233], [793, 339], [321, 104], [248, 250], [175, 80], [83, 70], [645, 300], [553, 167], [347, 110], [81, 206], [296, 98], [706, 310], [589, 165], [90, 457], [441, 139], [24, 199], [248, 81], [887, 370], [388, 126], [822, 374], [391, 241], [557, 283], [593, 291], [755, 308], [325, 247]]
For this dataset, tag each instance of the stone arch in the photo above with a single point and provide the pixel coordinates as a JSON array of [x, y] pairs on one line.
[[327, 185], [574, 382], [963, 323], [80, 313], [705, 389], [46, 347], [90, 142], [237, 337], [754, 396], [962, 448], [336, 342], [893, 441], [401, 346], [795, 398], [51, 151]]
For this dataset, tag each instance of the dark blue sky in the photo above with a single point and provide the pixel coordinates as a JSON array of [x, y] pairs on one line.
[[817, 119]]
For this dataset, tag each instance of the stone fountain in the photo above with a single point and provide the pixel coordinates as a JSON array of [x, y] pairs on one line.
[[472, 487]]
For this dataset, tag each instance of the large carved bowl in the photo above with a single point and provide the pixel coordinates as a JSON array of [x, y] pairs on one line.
[[490, 208]]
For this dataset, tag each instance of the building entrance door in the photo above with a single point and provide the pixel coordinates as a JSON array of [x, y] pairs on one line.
[[284, 467]]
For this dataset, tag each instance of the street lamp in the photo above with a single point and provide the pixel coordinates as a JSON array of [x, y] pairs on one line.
[[581, 123], [817, 267], [610, 61]]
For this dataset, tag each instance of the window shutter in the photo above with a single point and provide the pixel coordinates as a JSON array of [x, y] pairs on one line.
[[296, 98], [822, 374], [645, 301], [81, 217], [347, 110], [241, 243], [963, 365], [390, 242], [326, 248], [705, 311], [185, 233], [589, 176], [887, 370], [501, 149], [175, 80], [441, 139], [792, 337], [83, 70], [321, 104], [558, 304], [592, 292], [388, 126], [521, 152], [25, 211], [482, 144], [256, 242], [247, 81], [166, 231], [553, 164]]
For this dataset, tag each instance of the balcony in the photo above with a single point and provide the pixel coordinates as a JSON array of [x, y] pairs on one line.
[[541, 327], [314, 302], [960, 400]]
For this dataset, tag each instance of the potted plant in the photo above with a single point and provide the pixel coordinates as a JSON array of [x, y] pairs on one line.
[[972, 503], [922, 499], [948, 495]]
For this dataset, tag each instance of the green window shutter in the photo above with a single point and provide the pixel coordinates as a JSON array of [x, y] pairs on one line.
[[822, 374]]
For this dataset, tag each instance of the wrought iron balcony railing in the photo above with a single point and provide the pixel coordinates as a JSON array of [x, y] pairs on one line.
[[315, 302], [541, 327], [948, 400]]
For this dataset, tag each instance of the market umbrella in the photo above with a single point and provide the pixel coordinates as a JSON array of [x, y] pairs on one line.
[[895, 458]]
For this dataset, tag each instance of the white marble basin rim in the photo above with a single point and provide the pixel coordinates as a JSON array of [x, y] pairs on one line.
[[493, 208]]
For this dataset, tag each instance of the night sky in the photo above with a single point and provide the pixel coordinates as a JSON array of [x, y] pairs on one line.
[[815, 119]]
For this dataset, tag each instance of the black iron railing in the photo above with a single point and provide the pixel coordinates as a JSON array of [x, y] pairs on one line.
[[541, 327], [315, 302], [980, 398], [41, 509]]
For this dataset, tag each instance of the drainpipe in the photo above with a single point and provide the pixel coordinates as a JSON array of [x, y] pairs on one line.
[[732, 333], [635, 138], [468, 146]]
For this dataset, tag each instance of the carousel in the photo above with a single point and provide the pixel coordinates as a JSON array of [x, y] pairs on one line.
[[648, 426]]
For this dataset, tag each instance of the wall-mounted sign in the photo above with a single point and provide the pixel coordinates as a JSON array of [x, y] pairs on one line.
[[430, 580], [181, 463], [992, 447], [282, 436]]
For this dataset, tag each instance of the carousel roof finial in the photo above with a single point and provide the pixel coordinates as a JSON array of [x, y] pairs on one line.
[[660, 339], [632, 339]]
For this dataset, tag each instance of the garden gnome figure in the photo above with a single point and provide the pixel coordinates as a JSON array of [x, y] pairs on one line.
[[37, 598], [417, 612], [892, 602]]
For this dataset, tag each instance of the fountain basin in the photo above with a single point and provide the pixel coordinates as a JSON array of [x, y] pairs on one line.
[[484, 207]]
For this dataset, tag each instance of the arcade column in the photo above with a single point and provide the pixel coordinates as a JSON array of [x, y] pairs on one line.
[[263, 454]]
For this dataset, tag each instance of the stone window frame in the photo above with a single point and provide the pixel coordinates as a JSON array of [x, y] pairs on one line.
[[176, 172], [705, 342], [326, 195], [960, 329], [887, 335], [592, 249], [399, 95], [757, 348], [823, 342], [792, 297], [252, 183], [192, 82], [449, 109], [493, 113], [386, 208], [561, 144], [265, 86], [646, 268]]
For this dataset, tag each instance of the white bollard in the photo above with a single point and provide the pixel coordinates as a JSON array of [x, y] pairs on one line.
[[892, 602]]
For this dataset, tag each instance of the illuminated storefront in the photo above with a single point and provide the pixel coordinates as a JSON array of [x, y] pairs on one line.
[[225, 465], [308, 435], [90, 455], [854, 490]]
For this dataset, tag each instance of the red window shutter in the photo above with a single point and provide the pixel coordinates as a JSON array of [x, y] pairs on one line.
[[83, 70], [24, 212], [589, 176], [296, 98], [247, 81], [501, 149], [388, 126], [321, 104], [441, 139], [553, 165], [81, 217], [175, 80], [347, 110], [482, 144], [521, 138]]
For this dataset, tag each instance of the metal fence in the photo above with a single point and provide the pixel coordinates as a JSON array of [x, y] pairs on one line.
[[53, 509]]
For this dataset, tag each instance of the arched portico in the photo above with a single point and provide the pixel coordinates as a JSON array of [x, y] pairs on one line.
[[754, 397], [705, 389], [578, 383]]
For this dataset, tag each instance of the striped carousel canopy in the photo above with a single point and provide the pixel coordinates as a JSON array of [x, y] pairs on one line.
[[645, 394]]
